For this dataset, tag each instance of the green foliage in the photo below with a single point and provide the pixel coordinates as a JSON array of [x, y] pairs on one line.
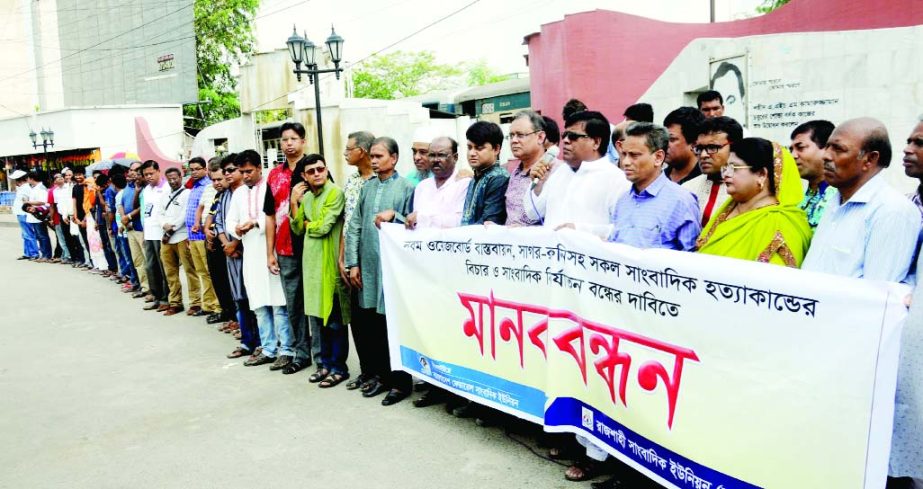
[[273, 115], [402, 74], [480, 73], [224, 36], [770, 5]]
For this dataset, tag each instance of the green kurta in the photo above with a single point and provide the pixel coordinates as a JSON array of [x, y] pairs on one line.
[[362, 236], [320, 220]]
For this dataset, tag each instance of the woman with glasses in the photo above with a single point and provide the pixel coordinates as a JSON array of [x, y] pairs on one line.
[[761, 221]]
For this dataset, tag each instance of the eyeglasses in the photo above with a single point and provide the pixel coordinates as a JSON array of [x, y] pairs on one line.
[[229, 170], [315, 170], [728, 170], [573, 136], [347, 150], [439, 156], [708, 148], [518, 135]]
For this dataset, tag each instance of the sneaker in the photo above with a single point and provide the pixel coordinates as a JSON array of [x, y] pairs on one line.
[[259, 360], [281, 362]]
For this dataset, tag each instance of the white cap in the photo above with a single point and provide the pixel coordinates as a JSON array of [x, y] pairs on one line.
[[424, 134], [17, 174]]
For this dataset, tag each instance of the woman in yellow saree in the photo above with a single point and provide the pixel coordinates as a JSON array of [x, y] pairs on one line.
[[761, 221]]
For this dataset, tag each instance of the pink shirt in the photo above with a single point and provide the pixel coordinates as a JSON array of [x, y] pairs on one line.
[[440, 207]]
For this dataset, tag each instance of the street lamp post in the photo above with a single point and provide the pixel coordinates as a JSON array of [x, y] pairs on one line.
[[47, 139], [303, 51]]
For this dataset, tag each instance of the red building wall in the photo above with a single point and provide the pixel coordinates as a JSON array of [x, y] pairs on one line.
[[609, 59]]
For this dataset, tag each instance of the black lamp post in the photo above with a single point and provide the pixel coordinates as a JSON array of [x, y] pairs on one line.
[[303, 51], [47, 139]]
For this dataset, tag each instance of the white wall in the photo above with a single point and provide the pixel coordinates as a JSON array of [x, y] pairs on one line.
[[112, 129], [796, 77], [239, 132]]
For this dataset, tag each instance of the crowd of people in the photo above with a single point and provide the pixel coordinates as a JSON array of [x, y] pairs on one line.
[[287, 260]]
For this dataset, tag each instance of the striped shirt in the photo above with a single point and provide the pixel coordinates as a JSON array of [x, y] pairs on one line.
[[195, 196], [663, 215], [873, 235]]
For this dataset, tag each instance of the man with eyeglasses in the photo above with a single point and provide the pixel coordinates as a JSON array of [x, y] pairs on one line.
[[713, 147], [283, 254], [207, 304], [527, 142], [230, 245], [581, 194], [438, 201]]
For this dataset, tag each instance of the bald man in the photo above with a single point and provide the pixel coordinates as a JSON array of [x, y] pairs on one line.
[[869, 230]]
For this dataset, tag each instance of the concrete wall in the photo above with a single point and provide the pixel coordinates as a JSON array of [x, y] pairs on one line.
[[112, 129], [795, 77]]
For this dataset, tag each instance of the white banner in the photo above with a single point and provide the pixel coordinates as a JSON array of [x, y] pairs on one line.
[[699, 371]]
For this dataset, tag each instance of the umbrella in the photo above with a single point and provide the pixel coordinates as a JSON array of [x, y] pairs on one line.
[[99, 165], [125, 155]]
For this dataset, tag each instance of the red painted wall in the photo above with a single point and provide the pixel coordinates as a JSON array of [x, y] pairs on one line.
[[609, 59]]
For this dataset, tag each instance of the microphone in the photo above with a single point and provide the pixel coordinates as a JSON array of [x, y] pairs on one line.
[[546, 160]]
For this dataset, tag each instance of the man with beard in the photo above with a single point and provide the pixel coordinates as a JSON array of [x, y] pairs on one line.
[[247, 221]]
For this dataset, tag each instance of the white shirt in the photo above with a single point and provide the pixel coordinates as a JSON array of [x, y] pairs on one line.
[[38, 193], [263, 288], [701, 187], [585, 197], [22, 196], [174, 214], [440, 207], [154, 201], [63, 199]]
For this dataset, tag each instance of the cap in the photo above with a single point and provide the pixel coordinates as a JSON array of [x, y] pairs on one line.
[[17, 174]]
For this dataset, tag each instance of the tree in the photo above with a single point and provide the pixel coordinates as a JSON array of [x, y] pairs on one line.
[[770, 5], [480, 73], [402, 74], [224, 36]]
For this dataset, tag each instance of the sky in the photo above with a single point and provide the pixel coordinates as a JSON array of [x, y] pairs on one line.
[[492, 30]]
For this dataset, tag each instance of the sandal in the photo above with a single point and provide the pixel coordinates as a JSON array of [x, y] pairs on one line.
[[357, 382], [237, 334], [332, 380], [319, 375], [582, 470], [238, 352]]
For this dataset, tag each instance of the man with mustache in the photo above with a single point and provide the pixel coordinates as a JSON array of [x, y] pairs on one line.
[[713, 147], [438, 201], [870, 230]]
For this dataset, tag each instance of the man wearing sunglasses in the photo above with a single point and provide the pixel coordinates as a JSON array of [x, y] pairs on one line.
[[712, 147], [581, 194]]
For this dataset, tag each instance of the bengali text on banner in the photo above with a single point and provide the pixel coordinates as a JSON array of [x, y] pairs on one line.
[[699, 371]]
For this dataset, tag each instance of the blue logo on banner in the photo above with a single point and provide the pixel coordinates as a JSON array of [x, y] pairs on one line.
[[668, 465], [525, 399]]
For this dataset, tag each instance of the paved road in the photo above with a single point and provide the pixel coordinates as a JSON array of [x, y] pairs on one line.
[[95, 392]]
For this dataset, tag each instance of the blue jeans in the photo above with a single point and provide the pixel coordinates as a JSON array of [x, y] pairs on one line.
[[44, 242], [29, 245], [334, 340], [274, 329], [62, 242], [249, 334], [126, 266]]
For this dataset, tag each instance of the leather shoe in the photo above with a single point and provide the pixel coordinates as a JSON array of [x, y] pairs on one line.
[[164, 308], [214, 318], [259, 360], [295, 367], [394, 396], [429, 398], [466, 410], [171, 310], [281, 362], [375, 388], [193, 311]]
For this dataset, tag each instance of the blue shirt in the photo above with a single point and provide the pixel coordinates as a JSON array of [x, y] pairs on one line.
[[128, 205], [195, 195], [109, 197], [663, 215], [873, 235]]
